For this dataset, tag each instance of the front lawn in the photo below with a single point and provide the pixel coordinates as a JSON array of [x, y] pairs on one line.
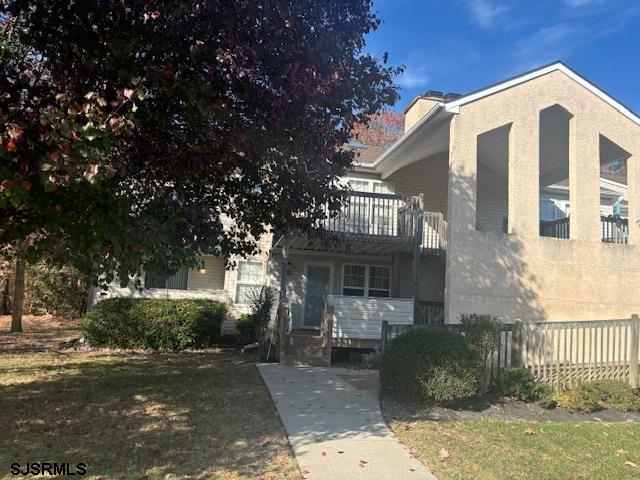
[[496, 449], [137, 415]]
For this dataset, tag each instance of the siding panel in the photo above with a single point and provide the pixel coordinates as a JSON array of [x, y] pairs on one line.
[[361, 317]]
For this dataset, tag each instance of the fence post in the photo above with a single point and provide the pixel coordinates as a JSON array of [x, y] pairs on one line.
[[635, 341], [385, 334], [516, 344]]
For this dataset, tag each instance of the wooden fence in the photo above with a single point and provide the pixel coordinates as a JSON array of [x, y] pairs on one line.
[[560, 354]]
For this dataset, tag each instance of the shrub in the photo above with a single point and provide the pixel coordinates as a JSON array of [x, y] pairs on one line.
[[483, 334], [433, 363], [155, 324], [246, 329], [520, 383], [592, 396]]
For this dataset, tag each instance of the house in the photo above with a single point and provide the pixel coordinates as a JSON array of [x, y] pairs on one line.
[[520, 200]]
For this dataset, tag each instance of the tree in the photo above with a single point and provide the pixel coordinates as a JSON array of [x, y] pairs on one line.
[[383, 128], [131, 130]]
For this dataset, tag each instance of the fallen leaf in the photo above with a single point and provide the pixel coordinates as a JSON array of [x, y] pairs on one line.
[[444, 454], [529, 431], [630, 464]]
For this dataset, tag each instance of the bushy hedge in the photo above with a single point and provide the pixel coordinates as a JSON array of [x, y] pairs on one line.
[[433, 363], [592, 396], [521, 384], [155, 324], [246, 328]]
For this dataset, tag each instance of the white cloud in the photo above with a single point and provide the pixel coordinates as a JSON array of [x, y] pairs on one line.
[[555, 39], [580, 3], [485, 12], [413, 77]]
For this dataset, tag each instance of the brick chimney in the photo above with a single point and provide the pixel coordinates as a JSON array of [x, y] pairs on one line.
[[422, 104]]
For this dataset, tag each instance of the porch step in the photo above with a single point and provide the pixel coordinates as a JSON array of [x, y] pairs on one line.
[[305, 348], [304, 341]]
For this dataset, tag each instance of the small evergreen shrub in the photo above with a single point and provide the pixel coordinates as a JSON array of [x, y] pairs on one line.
[[246, 327], [483, 334], [433, 363], [521, 384], [592, 396], [578, 399], [154, 324]]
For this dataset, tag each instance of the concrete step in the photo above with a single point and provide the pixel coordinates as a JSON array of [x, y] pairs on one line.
[[305, 350], [304, 341], [296, 361]]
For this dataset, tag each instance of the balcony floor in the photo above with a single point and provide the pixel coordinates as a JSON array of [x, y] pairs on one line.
[[355, 245]]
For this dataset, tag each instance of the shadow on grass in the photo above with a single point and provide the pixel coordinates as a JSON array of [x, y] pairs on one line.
[[144, 416]]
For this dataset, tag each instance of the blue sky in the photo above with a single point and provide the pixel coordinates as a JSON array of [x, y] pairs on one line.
[[462, 45]]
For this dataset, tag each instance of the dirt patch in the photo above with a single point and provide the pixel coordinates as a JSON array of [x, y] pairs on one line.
[[498, 409], [41, 333]]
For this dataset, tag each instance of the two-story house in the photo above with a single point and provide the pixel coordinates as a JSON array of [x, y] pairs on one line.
[[492, 202]]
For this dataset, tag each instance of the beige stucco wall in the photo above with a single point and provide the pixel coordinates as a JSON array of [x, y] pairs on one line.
[[521, 275]]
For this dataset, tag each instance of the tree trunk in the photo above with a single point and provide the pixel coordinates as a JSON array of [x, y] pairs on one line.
[[18, 296], [4, 296]]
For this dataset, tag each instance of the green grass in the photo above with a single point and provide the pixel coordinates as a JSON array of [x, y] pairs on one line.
[[502, 450], [193, 415]]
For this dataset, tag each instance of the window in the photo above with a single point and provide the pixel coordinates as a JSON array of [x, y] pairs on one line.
[[366, 281], [248, 280], [358, 209], [382, 215], [177, 281], [366, 215], [354, 280], [379, 281]]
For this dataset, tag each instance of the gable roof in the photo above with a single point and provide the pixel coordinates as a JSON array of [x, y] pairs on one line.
[[367, 154], [455, 105]]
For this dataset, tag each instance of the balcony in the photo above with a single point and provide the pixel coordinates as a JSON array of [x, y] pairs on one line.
[[377, 217], [378, 223], [615, 229]]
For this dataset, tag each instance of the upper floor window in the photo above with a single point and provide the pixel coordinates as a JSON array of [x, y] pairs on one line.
[[177, 281], [370, 215], [366, 280], [248, 280]]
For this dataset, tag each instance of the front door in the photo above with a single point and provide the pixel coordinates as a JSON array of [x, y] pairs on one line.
[[317, 286]]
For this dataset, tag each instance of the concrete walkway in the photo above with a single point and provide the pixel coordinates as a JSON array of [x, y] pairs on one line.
[[334, 424]]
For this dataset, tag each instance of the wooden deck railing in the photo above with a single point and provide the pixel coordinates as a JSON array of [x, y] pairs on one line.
[[435, 232], [391, 217], [560, 354], [555, 228], [430, 313], [615, 229]]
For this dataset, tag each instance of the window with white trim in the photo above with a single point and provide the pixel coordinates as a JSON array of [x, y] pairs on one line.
[[366, 281], [248, 280], [354, 280], [369, 215], [379, 281]]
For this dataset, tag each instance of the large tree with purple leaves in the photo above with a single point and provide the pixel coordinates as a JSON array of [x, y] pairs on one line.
[[130, 129]]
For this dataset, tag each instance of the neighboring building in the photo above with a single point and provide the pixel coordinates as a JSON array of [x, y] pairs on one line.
[[492, 202]]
